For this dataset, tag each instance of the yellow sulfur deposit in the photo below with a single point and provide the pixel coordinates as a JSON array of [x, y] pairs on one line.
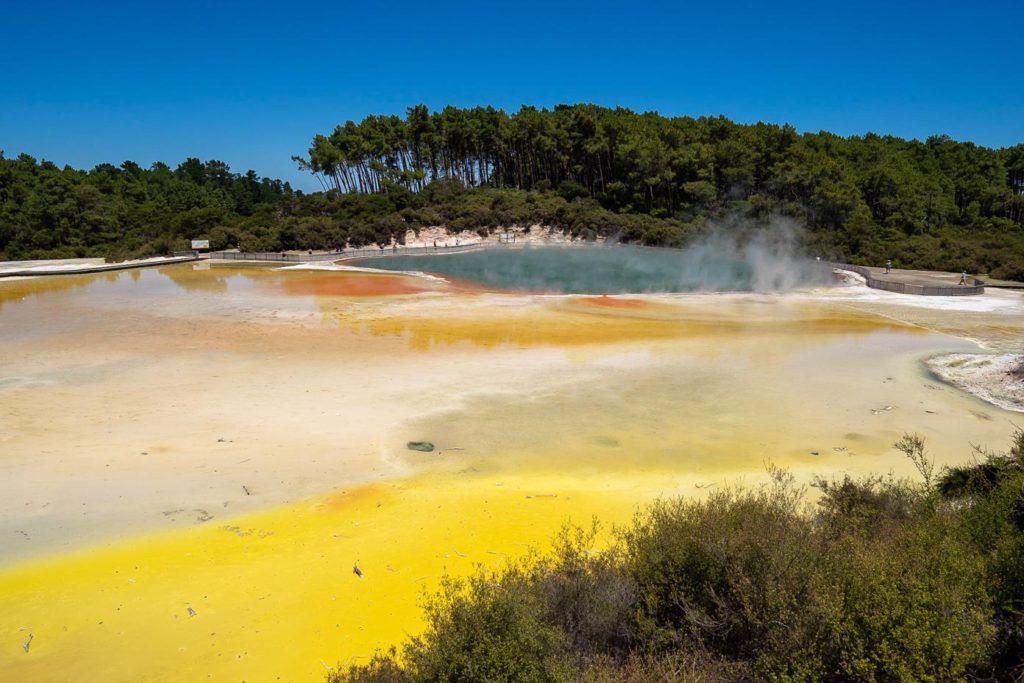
[[273, 595]]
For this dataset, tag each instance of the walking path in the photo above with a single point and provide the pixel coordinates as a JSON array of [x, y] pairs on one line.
[[77, 267], [921, 282]]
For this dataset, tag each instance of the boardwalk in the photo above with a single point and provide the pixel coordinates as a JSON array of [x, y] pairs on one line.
[[919, 282]]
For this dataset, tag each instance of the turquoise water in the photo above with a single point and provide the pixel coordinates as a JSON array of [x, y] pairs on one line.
[[618, 269]]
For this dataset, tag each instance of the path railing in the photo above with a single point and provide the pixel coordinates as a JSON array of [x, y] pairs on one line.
[[364, 252], [910, 288], [999, 285]]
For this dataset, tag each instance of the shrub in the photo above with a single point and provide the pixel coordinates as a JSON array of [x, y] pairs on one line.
[[913, 605], [865, 504], [989, 496], [589, 597], [383, 667], [884, 580], [682, 667], [485, 628], [734, 575]]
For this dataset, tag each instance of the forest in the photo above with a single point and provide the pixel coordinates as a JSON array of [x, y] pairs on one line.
[[589, 170], [881, 579]]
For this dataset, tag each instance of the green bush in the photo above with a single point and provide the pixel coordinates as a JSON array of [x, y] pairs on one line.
[[882, 580], [680, 667], [588, 596], [990, 497], [865, 504], [913, 605], [735, 575], [486, 628]]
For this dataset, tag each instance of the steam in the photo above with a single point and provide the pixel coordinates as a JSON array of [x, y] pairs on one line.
[[730, 257], [736, 256]]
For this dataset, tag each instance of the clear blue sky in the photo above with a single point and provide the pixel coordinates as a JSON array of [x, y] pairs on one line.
[[250, 83]]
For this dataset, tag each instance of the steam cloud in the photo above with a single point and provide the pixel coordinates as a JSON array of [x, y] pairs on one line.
[[734, 256]]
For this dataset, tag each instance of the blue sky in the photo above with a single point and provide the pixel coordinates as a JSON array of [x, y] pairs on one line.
[[250, 83]]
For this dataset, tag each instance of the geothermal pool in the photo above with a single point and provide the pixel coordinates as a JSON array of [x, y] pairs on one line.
[[193, 457], [620, 269]]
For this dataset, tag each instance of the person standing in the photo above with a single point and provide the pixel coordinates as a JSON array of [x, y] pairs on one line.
[[888, 266], [963, 279]]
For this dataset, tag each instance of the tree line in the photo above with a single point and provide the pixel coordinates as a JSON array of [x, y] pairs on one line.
[[588, 170], [47, 211], [937, 203], [649, 163]]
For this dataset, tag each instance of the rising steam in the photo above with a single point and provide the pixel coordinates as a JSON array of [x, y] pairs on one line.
[[735, 256]]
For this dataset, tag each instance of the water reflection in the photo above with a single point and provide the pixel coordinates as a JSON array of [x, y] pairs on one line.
[[491, 321], [169, 282]]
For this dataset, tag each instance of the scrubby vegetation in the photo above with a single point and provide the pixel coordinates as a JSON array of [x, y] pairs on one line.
[[880, 580], [585, 169]]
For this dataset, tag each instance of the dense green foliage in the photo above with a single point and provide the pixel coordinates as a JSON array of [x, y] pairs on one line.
[[881, 580], [51, 212], [588, 170], [48, 211], [934, 204]]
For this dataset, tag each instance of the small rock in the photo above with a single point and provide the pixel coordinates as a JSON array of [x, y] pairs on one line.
[[422, 446]]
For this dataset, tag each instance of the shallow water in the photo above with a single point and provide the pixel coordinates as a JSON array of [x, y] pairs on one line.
[[233, 440]]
